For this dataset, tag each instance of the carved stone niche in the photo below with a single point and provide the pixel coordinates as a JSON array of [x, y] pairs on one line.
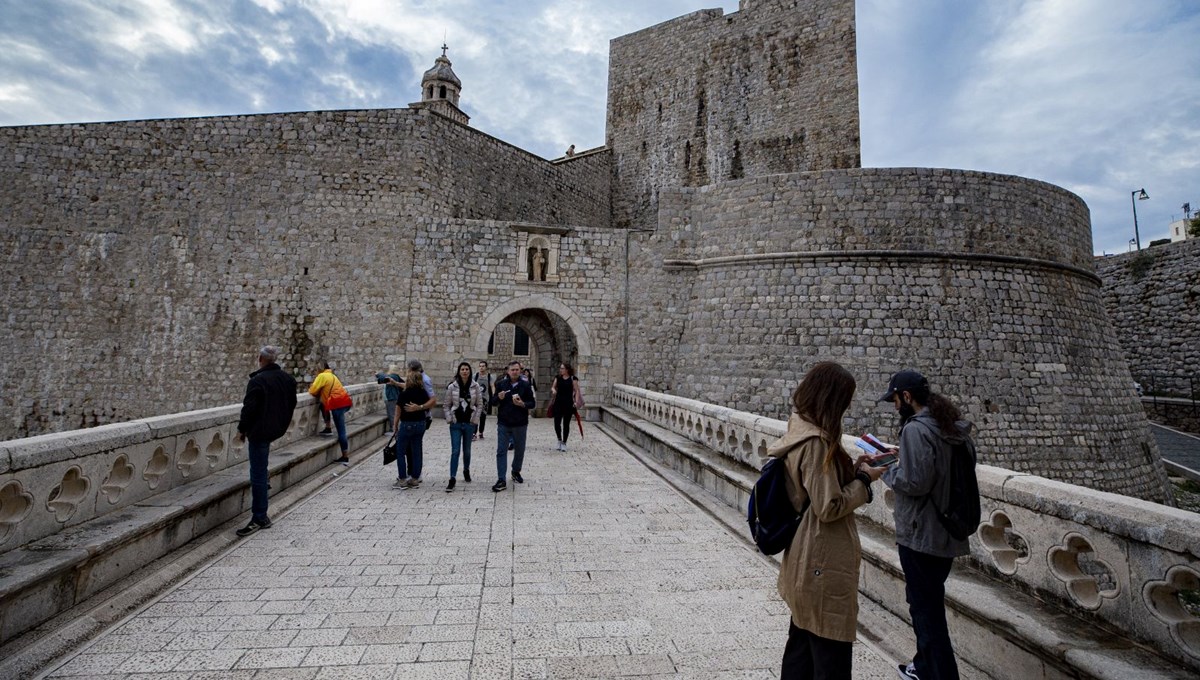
[[537, 253]]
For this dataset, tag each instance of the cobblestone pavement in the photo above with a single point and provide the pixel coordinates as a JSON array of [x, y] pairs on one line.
[[593, 568], [1177, 447]]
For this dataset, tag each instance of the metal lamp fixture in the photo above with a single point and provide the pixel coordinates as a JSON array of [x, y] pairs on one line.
[[1139, 195]]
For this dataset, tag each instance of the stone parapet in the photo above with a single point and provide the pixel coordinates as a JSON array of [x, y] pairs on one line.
[[57, 481], [1111, 559], [933, 210]]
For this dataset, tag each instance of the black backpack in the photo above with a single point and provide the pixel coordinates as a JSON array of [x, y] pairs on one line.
[[958, 505], [772, 517]]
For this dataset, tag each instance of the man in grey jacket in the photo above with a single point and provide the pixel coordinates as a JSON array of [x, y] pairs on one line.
[[930, 425]]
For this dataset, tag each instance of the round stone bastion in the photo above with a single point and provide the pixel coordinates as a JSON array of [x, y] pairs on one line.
[[984, 282]]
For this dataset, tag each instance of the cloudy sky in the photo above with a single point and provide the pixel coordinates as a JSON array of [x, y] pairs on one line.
[[1099, 96]]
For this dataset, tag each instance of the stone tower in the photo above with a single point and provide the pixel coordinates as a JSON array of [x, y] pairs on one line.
[[440, 89]]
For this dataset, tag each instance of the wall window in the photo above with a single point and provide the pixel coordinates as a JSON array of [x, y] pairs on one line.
[[442, 92], [521, 343]]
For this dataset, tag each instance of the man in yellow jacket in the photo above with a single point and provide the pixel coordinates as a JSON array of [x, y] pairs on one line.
[[335, 401]]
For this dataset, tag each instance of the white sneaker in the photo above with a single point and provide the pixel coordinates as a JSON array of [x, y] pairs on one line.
[[563, 447]]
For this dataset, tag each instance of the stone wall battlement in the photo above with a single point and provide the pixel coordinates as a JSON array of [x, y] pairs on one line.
[[904, 209]]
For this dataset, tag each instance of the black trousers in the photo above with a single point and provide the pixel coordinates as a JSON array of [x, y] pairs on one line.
[[482, 422], [562, 425], [812, 657], [925, 589]]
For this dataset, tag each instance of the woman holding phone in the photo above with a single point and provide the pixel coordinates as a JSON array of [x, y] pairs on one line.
[[819, 575]]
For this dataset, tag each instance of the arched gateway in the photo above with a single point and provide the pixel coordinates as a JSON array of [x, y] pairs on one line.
[[555, 333]]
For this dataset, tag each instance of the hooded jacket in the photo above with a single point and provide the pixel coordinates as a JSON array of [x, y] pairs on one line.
[[922, 471], [819, 576]]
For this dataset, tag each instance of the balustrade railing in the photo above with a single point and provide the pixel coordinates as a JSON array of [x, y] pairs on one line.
[[1131, 563], [55, 481]]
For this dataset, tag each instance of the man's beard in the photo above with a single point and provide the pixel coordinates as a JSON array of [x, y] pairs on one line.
[[906, 412]]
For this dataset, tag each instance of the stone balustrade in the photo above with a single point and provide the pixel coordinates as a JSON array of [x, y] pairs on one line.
[[51, 482], [1123, 562]]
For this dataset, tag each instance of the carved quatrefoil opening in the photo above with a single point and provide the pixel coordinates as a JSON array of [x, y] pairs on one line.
[[747, 447], [720, 436], [1089, 580], [188, 457], [118, 479], [1007, 548], [65, 498], [157, 467], [1176, 602], [215, 451], [15, 504]]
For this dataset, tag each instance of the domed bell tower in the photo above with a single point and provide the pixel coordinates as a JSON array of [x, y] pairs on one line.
[[440, 89]]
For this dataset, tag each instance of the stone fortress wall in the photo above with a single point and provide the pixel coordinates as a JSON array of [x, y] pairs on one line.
[[709, 97], [146, 261], [982, 281], [1153, 299], [725, 228]]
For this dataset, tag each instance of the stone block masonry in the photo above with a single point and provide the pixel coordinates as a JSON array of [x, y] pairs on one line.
[[981, 281], [145, 261], [707, 98], [1153, 299]]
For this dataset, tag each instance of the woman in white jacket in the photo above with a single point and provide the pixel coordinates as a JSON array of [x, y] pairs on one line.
[[463, 406]]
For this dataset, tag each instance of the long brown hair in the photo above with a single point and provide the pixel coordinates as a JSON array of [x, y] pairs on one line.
[[942, 409], [822, 398]]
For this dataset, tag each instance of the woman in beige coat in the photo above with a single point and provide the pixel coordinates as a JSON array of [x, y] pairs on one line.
[[819, 576]]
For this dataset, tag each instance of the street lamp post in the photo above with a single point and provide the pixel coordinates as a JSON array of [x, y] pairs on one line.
[[1135, 196]]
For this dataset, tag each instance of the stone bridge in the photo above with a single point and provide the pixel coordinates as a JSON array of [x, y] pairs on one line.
[[626, 556]]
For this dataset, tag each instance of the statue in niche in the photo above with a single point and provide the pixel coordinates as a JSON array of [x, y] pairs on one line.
[[539, 265]]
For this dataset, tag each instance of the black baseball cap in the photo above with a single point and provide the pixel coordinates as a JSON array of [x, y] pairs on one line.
[[904, 381]]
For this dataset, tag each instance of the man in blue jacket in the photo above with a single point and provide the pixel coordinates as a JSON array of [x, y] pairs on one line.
[[513, 400], [266, 414]]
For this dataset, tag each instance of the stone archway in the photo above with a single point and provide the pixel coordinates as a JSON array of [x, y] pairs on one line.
[[555, 334], [545, 303]]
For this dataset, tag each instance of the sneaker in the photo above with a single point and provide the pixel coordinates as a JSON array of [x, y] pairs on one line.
[[252, 527], [400, 484], [326, 432], [414, 483], [499, 486], [466, 475], [450, 485], [564, 447], [344, 460], [517, 477], [907, 671]]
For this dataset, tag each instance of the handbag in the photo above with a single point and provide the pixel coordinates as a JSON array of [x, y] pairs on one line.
[[389, 451], [550, 410]]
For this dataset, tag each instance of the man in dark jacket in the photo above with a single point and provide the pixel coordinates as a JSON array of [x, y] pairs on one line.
[[513, 400], [931, 425], [266, 413]]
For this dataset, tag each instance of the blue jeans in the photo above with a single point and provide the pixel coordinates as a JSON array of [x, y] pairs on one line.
[[505, 433], [260, 487], [339, 421], [925, 589], [408, 448], [461, 435]]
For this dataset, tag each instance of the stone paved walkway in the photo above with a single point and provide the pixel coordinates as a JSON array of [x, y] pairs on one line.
[[593, 568]]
